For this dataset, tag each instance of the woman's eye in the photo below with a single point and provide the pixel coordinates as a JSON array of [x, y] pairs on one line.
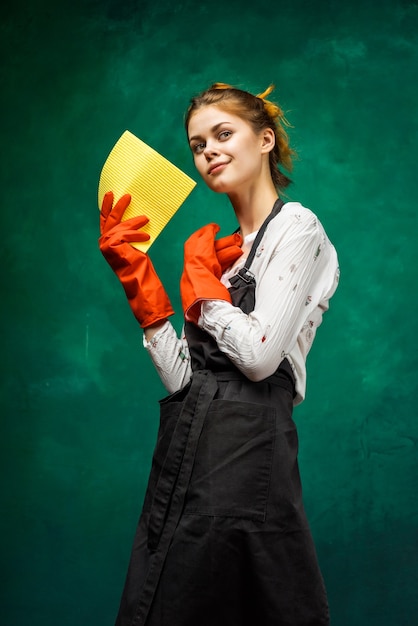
[[198, 148], [225, 134]]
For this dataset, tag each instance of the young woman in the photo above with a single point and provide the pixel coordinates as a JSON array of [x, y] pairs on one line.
[[223, 538]]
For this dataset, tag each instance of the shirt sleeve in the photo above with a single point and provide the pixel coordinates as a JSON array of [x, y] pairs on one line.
[[170, 356], [293, 281]]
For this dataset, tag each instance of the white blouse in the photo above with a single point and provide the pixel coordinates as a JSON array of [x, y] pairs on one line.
[[296, 272]]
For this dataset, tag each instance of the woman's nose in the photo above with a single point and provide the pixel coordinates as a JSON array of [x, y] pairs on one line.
[[210, 150]]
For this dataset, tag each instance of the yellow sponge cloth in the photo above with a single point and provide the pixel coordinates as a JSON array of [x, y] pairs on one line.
[[158, 188]]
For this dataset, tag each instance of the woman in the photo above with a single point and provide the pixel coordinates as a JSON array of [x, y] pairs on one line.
[[223, 538]]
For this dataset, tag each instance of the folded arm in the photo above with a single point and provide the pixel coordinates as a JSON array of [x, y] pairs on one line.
[[293, 285]]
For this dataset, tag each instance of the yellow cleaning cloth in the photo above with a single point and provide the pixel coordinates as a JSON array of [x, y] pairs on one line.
[[158, 188]]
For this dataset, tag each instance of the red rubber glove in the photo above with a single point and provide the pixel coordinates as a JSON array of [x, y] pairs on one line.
[[146, 295], [228, 250], [203, 269]]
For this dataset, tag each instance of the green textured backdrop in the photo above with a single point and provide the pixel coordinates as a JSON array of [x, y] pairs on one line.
[[78, 394]]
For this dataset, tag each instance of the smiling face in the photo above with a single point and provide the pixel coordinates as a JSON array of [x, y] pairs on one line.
[[228, 154]]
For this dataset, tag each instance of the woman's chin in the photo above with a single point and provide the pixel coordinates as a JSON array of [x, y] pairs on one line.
[[219, 186]]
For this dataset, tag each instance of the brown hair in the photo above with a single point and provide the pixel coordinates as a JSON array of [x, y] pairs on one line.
[[260, 113]]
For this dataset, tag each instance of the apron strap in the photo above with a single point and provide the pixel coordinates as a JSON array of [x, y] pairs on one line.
[[245, 273], [277, 207]]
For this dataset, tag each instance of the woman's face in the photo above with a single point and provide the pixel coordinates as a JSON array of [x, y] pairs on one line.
[[227, 152]]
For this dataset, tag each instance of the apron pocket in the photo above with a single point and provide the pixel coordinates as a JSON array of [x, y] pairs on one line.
[[232, 470]]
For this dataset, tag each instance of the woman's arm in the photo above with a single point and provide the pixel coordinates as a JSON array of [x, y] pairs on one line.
[[295, 274], [169, 354]]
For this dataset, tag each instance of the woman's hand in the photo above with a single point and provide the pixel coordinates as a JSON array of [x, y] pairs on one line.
[[146, 295], [203, 269], [228, 250]]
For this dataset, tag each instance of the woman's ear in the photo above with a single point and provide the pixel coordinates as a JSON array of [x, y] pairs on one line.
[[268, 140]]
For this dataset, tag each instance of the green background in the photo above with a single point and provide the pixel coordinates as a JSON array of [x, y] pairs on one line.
[[78, 393]]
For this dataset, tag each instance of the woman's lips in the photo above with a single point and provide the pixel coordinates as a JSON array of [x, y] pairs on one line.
[[217, 168]]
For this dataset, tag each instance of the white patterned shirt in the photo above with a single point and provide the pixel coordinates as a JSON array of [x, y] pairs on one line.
[[296, 272]]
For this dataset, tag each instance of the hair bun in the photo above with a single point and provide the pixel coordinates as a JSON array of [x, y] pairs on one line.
[[272, 109], [266, 93]]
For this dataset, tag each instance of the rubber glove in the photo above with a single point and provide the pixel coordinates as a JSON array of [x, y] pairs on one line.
[[144, 290], [203, 269], [228, 250]]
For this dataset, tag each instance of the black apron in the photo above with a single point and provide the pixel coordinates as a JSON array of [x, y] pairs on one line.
[[223, 538]]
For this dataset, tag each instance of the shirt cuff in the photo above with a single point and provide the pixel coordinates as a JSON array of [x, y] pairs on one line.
[[154, 339]]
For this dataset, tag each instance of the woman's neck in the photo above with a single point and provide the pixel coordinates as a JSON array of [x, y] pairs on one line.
[[252, 207]]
